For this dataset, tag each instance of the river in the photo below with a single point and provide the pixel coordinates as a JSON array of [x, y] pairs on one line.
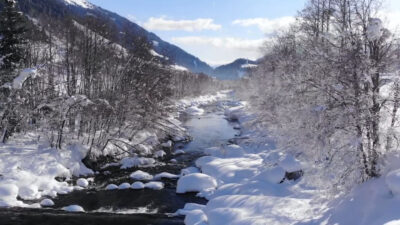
[[130, 206]]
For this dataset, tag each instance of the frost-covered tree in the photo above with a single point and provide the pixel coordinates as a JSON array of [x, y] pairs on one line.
[[319, 89], [12, 40]]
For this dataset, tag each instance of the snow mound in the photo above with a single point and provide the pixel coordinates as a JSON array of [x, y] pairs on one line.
[[165, 175], [30, 192], [82, 182], [196, 217], [8, 191], [47, 202], [154, 185], [290, 164], [137, 185], [124, 186], [273, 175], [195, 182], [73, 208], [136, 162], [141, 175], [167, 144], [111, 187], [194, 111], [189, 207]]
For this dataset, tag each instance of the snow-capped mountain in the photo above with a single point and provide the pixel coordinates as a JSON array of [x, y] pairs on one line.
[[82, 9], [234, 70]]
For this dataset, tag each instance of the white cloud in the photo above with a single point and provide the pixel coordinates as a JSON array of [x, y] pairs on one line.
[[220, 50], [186, 25], [266, 25]]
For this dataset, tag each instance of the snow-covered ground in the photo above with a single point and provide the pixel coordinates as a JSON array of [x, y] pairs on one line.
[[29, 167], [251, 188]]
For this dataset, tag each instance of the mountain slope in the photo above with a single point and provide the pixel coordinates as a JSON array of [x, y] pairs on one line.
[[234, 70], [81, 10]]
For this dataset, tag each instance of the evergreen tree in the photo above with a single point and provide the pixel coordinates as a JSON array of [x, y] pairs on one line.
[[12, 40]]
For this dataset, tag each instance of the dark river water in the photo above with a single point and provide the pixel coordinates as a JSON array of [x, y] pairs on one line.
[[134, 207]]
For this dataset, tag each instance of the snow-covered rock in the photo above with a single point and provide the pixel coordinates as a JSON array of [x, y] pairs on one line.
[[195, 182], [47, 202], [137, 185], [167, 144], [155, 185], [82, 182], [178, 152], [159, 154], [136, 162], [30, 192], [141, 175], [124, 186], [165, 175], [73, 208], [111, 187]]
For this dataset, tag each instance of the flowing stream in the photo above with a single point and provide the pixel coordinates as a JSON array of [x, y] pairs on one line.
[[130, 206]]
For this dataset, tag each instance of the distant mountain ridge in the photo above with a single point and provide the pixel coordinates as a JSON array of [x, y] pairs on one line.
[[171, 54], [82, 8], [234, 70]]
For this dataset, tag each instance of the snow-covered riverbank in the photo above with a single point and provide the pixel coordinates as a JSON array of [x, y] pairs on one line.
[[248, 183], [32, 170]]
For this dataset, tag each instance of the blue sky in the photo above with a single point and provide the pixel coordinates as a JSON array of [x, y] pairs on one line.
[[216, 31]]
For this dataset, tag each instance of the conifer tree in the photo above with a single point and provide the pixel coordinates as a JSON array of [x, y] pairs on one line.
[[12, 40]]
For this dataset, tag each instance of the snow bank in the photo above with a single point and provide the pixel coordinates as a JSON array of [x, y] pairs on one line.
[[194, 111], [202, 100], [195, 182], [73, 208], [29, 169], [249, 209], [165, 175]]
